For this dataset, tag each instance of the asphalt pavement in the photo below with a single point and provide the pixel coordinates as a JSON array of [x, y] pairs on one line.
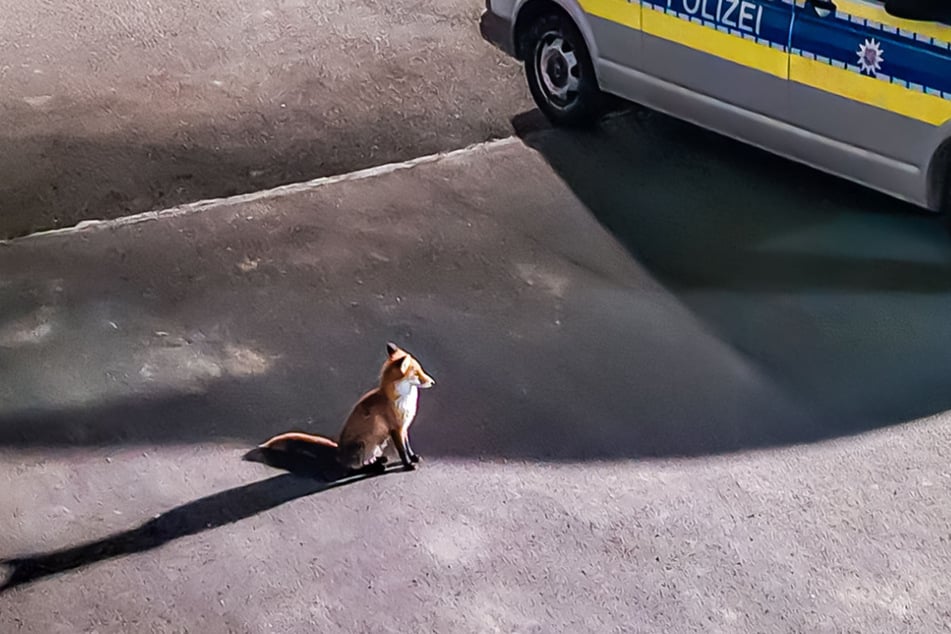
[[681, 386], [116, 107]]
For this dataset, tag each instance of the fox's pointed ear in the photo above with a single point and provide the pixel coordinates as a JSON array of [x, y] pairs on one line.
[[391, 348], [404, 365]]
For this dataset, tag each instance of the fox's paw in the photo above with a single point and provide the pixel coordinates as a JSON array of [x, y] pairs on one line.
[[410, 466], [414, 458]]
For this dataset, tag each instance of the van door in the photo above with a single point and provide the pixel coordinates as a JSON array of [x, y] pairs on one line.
[[869, 80], [733, 50]]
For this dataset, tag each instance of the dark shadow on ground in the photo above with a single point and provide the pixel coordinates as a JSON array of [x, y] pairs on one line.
[[207, 513], [838, 293], [698, 209], [51, 181], [791, 307]]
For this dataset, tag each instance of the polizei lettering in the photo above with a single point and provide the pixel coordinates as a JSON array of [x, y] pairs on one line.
[[737, 14]]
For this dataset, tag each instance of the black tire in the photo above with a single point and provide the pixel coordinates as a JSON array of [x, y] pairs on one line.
[[555, 37]]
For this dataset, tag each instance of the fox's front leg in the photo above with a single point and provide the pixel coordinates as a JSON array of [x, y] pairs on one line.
[[399, 439], [413, 456]]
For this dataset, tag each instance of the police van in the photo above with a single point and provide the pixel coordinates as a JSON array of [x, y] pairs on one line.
[[857, 88]]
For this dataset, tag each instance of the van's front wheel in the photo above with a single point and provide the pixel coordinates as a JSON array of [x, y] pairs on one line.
[[560, 73]]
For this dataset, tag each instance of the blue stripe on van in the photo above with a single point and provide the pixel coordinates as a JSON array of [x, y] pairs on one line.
[[837, 41], [771, 28], [920, 64]]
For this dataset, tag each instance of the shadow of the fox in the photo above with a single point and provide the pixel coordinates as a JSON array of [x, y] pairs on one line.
[[309, 460], [308, 474]]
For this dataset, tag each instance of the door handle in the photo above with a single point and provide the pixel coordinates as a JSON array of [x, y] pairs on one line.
[[823, 7]]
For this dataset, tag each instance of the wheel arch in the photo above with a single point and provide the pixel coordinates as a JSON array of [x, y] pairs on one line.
[[531, 9], [939, 176]]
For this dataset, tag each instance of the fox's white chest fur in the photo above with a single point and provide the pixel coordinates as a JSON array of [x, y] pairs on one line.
[[407, 396]]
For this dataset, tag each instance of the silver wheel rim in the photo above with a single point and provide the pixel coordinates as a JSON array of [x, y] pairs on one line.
[[557, 67]]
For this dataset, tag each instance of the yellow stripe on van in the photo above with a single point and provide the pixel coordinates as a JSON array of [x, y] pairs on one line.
[[868, 90], [703, 38], [620, 11], [876, 13]]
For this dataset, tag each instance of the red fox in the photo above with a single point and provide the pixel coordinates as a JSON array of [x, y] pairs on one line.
[[381, 415]]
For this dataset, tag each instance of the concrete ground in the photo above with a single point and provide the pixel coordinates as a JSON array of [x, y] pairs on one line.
[[682, 386], [115, 107]]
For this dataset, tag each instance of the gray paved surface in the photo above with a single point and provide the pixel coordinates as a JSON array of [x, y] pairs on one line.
[[678, 391], [115, 106]]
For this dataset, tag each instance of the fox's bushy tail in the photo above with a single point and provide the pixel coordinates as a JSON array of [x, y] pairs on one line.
[[280, 439]]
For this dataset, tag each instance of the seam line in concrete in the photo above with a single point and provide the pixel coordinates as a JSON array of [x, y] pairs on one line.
[[273, 192]]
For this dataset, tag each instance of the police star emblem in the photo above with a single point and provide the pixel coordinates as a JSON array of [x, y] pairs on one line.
[[871, 56]]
